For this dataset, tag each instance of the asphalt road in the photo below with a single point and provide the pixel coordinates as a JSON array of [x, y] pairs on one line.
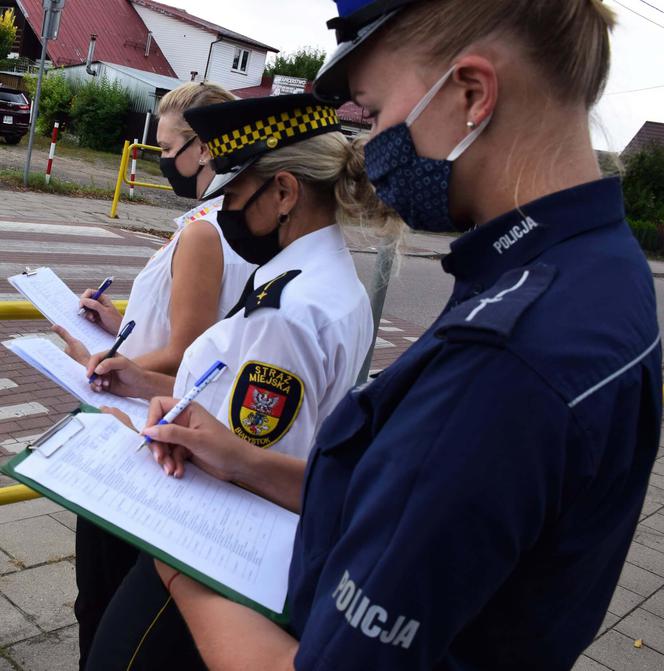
[[419, 290]]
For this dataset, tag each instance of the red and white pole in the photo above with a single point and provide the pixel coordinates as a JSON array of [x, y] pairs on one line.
[[132, 177], [51, 153]]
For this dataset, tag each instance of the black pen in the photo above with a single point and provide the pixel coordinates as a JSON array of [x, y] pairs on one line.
[[124, 334]]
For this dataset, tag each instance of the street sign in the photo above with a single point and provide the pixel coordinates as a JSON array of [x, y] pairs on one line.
[[51, 22], [283, 85]]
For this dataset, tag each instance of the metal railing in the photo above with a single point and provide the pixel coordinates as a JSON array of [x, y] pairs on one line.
[[122, 175]]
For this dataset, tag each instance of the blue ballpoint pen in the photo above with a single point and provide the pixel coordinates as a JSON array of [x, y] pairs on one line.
[[210, 376], [124, 334], [100, 290]]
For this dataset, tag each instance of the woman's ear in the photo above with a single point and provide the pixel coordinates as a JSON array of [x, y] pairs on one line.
[[477, 75], [288, 191], [204, 156]]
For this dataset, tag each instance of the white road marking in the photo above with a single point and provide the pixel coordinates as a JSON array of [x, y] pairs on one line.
[[410, 338], [56, 229], [381, 343], [390, 329], [17, 445], [21, 410], [90, 248], [67, 271], [6, 383]]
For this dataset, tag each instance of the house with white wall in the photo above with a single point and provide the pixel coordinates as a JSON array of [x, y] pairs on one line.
[[193, 45]]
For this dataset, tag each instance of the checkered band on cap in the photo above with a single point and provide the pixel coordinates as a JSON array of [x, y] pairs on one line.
[[296, 124]]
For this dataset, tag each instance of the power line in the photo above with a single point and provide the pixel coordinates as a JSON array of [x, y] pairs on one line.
[[647, 88], [629, 9], [661, 11]]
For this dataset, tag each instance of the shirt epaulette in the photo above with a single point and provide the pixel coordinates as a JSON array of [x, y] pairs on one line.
[[268, 295], [493, 314]]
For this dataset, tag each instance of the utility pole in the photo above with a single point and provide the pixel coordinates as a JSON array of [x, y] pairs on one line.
[[52, 13]]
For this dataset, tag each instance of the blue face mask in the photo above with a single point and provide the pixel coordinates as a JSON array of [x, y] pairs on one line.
[[417, 188]]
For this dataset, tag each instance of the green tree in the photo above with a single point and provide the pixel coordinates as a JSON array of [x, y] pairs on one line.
[[304, 62], [7, 32], [99, 114], [643, 185], [54, 102]]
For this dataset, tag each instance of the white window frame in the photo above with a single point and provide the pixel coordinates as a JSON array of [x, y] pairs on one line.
[[239, 56]]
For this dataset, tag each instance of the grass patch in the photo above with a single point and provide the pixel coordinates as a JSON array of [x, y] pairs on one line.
[[37, 182]]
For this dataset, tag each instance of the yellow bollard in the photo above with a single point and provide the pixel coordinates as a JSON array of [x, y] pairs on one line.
[[16, 493], [118, 184], [25, 310]]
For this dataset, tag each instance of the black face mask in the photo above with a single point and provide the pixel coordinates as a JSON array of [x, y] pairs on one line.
[[182, 186], [258, 249]]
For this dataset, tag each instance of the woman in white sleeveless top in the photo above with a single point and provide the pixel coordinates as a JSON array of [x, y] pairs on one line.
[[194, 280]]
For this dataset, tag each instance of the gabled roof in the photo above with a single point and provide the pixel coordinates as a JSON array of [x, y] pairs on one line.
[[182, 15], [348, 112], [652, 132], [121, 34]]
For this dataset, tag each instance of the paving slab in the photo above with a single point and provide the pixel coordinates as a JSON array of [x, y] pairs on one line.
[[623, 601], [641, 624], [655, 522], [14, 625], [37, 540], [646, 558], [6, 665], [7, 564], [655, 604], [617, 652], [45, 593], [68, 518], [57, 651], [26, 509], [639, 580], [586, 664]]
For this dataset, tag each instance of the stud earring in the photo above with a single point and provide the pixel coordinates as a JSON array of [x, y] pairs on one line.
[[283, 218], [471, 125]]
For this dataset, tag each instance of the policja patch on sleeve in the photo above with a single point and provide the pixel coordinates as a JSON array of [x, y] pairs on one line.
[[264, 403]]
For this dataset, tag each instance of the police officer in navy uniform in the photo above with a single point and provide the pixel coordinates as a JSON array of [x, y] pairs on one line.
[[471, 508]]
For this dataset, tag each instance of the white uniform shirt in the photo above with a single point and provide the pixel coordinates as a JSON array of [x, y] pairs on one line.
[[150, 298], [287, 367]]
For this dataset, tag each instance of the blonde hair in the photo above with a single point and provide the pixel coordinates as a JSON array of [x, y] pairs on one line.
[[568, 40], [333, 168], [191, 94]]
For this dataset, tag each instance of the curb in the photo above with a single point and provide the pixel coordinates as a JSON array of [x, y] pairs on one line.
[[435, 256]]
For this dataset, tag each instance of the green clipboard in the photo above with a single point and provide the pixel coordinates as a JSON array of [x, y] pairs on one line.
[[9, 469]]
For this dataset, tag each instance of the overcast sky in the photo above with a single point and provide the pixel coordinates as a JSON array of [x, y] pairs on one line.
[[638, 53]]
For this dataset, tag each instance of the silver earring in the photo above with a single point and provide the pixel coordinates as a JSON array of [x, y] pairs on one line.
[[471, 125], [202, 161]]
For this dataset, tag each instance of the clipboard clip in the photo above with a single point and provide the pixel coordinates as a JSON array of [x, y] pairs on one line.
[[29, 272], [68, 427]]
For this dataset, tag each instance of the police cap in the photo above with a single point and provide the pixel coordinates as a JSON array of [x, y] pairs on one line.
[[357, 21], [239, 132]]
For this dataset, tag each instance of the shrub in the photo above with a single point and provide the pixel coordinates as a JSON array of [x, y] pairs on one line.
[[305, 62], [54, 101], [7, 32], [649, 234], [99, 113], [643, 185]]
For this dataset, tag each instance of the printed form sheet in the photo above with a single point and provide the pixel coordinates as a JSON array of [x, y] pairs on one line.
[[58, 303], [50, 360], [223, 531]]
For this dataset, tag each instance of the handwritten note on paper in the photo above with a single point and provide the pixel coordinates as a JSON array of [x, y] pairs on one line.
[[234, 537], [48, 359], [58, 303]]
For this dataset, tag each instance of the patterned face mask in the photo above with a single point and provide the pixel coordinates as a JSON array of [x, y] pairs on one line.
[[417, 188]]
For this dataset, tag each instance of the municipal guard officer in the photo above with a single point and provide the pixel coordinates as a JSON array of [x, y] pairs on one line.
[[471, 508]]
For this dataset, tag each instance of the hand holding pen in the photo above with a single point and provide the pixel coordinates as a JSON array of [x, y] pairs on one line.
[[211, 375], [124, 334], [97, 294]]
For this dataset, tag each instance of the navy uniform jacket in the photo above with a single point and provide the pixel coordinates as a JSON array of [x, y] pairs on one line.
[[472, 507]]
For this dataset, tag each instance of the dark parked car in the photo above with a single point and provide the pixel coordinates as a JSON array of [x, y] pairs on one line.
[[14, 115]]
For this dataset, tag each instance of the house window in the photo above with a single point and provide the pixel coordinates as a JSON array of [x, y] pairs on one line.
[[240, 60]]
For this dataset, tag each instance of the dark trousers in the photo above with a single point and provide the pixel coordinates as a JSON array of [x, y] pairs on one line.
[[102, 562], [142, 625]]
